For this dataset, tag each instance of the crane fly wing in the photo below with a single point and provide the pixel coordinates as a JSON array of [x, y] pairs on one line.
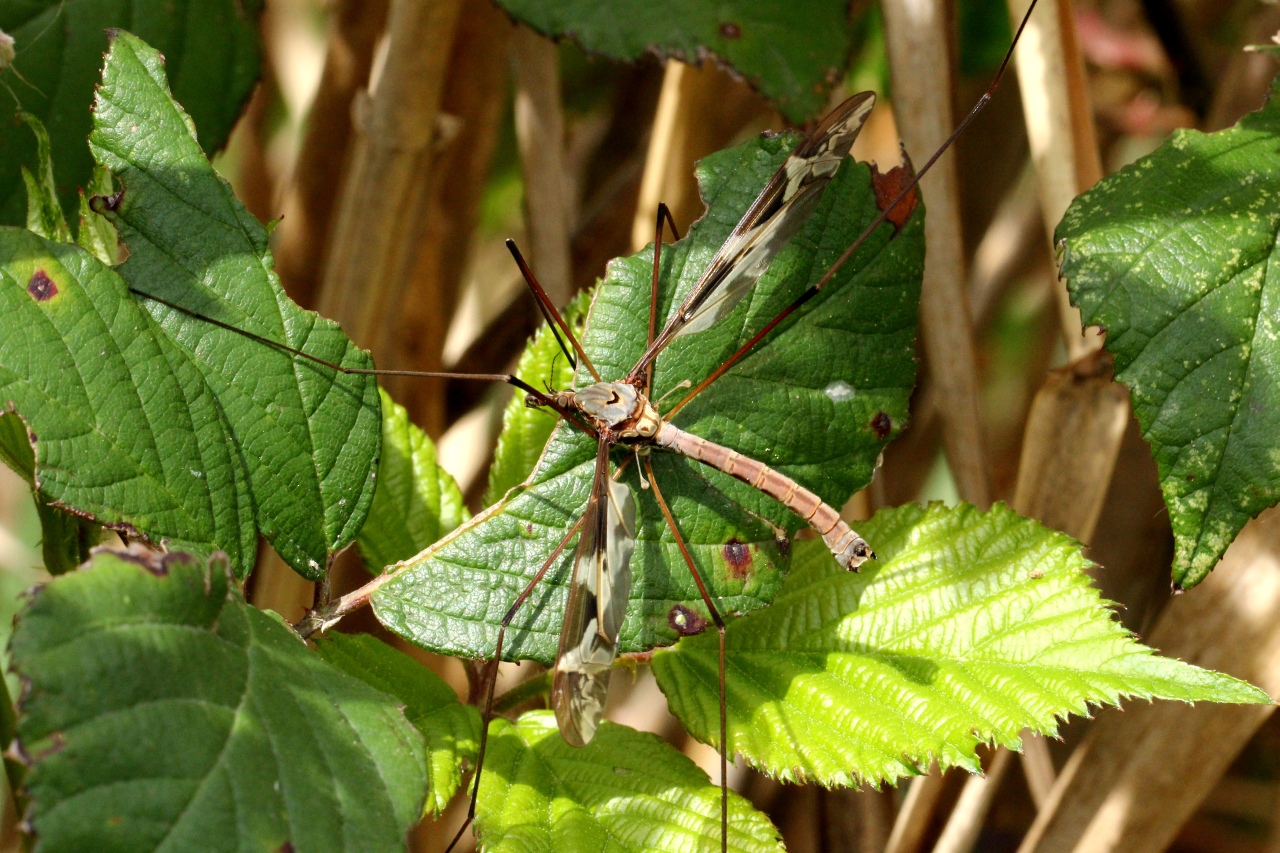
[[598, 593], [772, 220]]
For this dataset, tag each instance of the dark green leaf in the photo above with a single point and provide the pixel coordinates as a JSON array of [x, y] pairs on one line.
[[163, 713], [66, 538], [309, 437], [451, 730], [124, 428], [969, 628], [416, 501], [817, 399], [212, 52], [1175, 258], [626, 791], [44, 212], [792, 53]]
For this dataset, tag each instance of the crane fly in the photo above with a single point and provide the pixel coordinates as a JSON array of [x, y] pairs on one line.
[[620, 413]]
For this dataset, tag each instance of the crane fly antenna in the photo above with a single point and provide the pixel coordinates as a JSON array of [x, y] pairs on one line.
[[548, 309], [885, 212]]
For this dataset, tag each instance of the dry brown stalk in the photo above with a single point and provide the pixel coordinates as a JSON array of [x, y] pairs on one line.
[[922, 105], [308, 202], [1059, 119]]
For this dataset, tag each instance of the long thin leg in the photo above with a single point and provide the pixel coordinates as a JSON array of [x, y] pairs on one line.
[[719, 622], [515, 381], [547, 307], [663, 214], [491, 674], [879, 220]]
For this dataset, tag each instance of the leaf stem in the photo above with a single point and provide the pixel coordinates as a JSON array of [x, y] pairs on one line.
[[538, 685]]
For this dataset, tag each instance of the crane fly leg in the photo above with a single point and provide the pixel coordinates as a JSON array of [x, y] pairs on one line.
[[719, 623], [490, 678]]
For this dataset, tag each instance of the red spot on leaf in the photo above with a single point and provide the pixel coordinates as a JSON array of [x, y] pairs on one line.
[[730, 30], [738, 557], [107, 203], [891, 184], [881, 424], [41, 287], [686, 622]]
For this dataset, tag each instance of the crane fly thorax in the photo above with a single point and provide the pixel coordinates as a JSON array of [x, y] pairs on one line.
[[617, 407]]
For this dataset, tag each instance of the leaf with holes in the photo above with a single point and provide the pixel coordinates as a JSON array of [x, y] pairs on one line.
[[164, 713], [1174, 258], [969, 628], [818, 399], [213, 56], [626, 791]]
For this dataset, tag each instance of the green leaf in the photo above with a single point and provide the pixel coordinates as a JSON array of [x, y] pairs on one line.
[[818, 399], [44, 214], [626, 791], [310, 437], [164, 713], [15, 444], [451, 730], [212, 51], [96, 234], [1174, 258], [791, 53], [66, 538], [525, 429], [416, 501], [970, 627], [125, 430]]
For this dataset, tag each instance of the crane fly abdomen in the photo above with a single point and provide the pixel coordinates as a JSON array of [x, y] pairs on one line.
[[620, 409], [849, 549]]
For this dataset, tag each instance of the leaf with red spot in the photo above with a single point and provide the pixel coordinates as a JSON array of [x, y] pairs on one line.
[[123, 430], [804, 401]]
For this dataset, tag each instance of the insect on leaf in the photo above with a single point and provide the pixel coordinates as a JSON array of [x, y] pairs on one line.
[[818, 399]]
